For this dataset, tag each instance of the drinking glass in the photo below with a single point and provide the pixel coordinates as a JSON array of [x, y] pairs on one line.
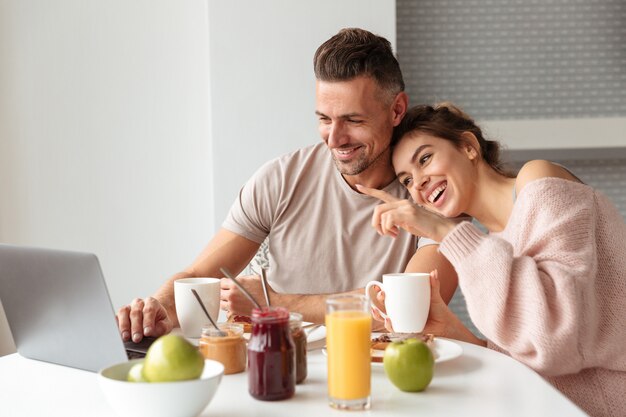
[[348, 335]]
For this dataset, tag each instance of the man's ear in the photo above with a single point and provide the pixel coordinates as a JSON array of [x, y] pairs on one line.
[[399, 107], [470, 146]]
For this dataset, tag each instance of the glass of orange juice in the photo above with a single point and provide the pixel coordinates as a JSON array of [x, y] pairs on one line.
[[348, 332]]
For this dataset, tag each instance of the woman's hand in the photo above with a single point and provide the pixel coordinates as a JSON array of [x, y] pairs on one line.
[[380, 298], [395, 213], [439, 315], [442, 321]]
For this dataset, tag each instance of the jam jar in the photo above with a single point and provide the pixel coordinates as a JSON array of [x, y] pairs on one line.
[[271, 355], [299, 340], [229, 349]]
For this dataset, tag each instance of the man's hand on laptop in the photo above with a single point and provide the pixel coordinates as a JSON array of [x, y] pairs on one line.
[[143, 318]]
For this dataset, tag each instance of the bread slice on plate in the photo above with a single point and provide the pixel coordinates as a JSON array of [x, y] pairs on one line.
[[380, 343], [246, 321]]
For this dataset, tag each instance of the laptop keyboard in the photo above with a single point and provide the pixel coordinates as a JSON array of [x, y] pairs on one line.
[[138, 350], [133, 354]]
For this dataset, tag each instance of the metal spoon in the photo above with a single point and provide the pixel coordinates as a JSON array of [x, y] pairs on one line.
[[219, 331], [264, 281], [243, 290]]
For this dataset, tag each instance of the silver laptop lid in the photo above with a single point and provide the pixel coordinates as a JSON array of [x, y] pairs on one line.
[[58, 307]]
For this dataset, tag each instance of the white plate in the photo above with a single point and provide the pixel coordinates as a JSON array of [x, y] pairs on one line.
[[317, 334], [446, 350]]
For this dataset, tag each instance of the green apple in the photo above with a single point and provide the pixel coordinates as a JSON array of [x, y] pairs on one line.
[[135, 373], [172, 358], [409, 364]]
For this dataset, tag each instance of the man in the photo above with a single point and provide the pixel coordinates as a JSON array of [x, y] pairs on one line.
[[306, 204]]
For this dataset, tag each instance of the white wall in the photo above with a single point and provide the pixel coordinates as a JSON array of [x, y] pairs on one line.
[[262, 81], [560, 134], [127, 128], [104, 137]]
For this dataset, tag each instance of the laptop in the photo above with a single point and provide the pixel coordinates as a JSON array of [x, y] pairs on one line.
[[58, 308]]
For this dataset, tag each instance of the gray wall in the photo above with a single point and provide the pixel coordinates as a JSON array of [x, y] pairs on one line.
[[511, 59]]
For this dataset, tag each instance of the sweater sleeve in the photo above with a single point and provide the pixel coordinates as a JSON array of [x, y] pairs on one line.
[[530, 289]]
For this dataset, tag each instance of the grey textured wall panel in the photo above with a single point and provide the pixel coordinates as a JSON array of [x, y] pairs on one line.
[[516, 59]]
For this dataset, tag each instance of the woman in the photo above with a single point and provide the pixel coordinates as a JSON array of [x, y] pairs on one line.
[[547, 285]]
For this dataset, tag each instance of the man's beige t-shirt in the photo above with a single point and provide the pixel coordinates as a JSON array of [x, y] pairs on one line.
[[318, 228]]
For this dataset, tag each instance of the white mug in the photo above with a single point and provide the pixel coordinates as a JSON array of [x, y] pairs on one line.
[[407, 300], [190, 315]]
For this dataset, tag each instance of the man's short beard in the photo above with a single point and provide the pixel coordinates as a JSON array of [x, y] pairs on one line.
[[352, 168], [360, 165]]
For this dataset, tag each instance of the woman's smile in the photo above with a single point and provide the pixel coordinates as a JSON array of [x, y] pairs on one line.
[[435, 193]]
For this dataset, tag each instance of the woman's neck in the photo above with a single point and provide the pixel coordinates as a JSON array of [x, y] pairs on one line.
[[493, 199]]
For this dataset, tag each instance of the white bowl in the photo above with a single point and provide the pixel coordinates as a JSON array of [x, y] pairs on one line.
[[159, 399]]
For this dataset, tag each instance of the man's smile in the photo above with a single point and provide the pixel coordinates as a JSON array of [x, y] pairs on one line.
[[346, 153]]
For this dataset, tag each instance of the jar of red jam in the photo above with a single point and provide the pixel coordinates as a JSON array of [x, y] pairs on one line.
[[299, 340], [271, 355]]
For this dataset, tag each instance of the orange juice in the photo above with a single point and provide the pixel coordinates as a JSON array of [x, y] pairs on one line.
[[348, 345]]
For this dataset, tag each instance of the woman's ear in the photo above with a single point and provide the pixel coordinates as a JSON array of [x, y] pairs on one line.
[[470, 146]]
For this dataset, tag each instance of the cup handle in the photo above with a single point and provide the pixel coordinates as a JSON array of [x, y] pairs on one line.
[[373, 300]]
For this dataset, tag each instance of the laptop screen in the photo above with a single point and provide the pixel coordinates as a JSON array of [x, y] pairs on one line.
[[58, 307]]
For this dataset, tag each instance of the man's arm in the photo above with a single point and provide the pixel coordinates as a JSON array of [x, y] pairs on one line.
[[226, 250], [156, 315], [312, 306], [426, 259]]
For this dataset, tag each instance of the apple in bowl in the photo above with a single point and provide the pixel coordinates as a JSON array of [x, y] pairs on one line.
[[172, 381]]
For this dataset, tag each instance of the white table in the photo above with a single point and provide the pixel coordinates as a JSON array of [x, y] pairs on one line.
[[479, 383]]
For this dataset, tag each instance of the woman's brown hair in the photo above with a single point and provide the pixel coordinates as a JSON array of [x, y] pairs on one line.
[[449, 122]]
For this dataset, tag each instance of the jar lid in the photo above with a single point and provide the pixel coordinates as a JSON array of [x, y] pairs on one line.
[[269, 314], [231, 330], [295, 320]]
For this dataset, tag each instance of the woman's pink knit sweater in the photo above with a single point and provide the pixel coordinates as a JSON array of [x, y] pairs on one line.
[[550, 289]]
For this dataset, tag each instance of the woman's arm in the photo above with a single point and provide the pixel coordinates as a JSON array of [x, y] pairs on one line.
[[529, 290], [426, 259]]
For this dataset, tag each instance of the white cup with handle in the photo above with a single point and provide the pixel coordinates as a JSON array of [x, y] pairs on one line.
[[407, 300], [190, 315]]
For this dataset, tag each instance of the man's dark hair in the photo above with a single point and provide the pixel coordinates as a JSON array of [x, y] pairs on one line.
[[356, 52]]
